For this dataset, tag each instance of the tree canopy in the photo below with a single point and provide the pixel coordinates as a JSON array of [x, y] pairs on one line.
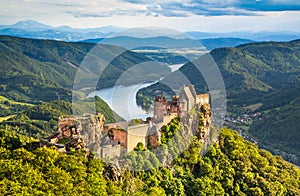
[[233, 166]]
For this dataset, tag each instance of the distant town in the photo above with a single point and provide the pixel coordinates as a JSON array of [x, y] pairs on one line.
[[242, 122]]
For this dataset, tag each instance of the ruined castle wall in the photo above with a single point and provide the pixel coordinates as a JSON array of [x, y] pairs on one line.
[[159, 110], [166, 120], [203, 99], [136, 134], [67, 121], [120, 137], [110, 151]]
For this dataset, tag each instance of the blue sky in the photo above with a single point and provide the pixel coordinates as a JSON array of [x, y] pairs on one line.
[[183, 15]]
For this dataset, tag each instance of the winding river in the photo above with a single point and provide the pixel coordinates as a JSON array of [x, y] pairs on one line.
[[122, 99]]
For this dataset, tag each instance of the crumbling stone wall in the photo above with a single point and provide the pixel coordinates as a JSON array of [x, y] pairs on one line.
[[136, 134], [119, 137]]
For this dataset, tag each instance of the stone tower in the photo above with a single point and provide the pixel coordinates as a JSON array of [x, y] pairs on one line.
[[159, 108]]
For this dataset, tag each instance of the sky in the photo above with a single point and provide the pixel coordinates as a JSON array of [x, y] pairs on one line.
[[182, 15]]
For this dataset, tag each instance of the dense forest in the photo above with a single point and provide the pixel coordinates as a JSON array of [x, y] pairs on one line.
[[233, 166]]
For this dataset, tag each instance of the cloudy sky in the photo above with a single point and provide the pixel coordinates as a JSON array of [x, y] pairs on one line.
[[183, 15]]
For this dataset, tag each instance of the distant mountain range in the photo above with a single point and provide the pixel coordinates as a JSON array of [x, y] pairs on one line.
[[34, 29], [257, 36], [165, 42]]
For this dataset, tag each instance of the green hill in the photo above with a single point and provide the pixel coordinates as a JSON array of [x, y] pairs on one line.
[[278, 131], [43, 70], [29, 67], [264, 74], [249, 71]]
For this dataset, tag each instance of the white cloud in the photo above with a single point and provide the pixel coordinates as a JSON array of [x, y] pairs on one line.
[[204, 15]]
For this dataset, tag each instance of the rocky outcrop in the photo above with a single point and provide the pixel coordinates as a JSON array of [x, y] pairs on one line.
[[204, 125]]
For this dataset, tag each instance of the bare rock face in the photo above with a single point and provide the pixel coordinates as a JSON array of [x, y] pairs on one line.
[[75, 143], [89, 127], [203, 132], [113, 171], [77, 132]]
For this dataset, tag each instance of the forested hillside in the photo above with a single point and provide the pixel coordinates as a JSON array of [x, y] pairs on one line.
[[251, 71], [43, 70], [233, 167], [29, 67], [279, 131], [259, 77]]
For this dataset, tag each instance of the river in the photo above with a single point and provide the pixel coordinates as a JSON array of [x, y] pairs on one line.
[[122, 99]]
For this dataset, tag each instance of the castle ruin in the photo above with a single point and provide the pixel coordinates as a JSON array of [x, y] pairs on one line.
[[112, 140]]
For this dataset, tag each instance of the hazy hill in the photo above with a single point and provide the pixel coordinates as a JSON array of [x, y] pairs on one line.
[[66, 33], [257, 36], [28, 25], [37, 30], [169, 42]]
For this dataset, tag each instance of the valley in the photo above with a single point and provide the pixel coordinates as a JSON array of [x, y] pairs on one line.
[[262, 102], [150, 98], [250, 83], [259, 78]]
